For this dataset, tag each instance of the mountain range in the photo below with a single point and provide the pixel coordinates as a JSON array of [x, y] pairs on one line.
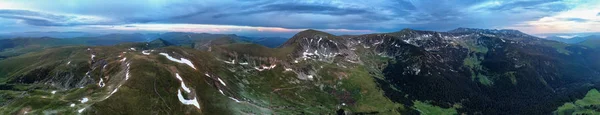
[[52, 34], [20, 45], [574, 40], [462, 71]]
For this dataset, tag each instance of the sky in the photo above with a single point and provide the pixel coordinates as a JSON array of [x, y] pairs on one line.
[[286, 17]]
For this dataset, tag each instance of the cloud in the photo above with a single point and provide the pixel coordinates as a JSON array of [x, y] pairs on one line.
[[374, 15], [46, 19], [582, 17], [301, 8], [577, 19], [222, 29], [33, 18], [293, 14], [207, 28]]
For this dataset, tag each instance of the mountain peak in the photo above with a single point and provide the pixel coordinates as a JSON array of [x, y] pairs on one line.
[[505, 31], [312, 32], [309, 33], [406, 30], [158, 43]]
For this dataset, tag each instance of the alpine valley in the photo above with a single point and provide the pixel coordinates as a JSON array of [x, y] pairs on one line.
[[462, 71]]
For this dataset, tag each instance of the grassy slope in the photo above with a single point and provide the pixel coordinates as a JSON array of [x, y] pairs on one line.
[[329, 90], [592, 43], [38, 96], [589, 105], [559, 46], [369, 98], [51, 57], [428, 109]]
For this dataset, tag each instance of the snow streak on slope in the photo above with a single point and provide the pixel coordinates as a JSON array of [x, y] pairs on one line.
[[182, 60], [127, 75], [146, 52], [222, 82], [187, 102], [187, 90]]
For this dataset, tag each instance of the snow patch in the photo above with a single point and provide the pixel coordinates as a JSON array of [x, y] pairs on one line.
[[93, 56], [229, 62], [262, 68], [377, 43], [222, 82], [306, 54], [182, 60], [85, 99], [351, 61], [259, 69], [101, 83], [320, 38], [72, 105], [81, 110], [114, 91], [146, 52], [125, 58], [272, 66], [127, 75], [185, 88], [417, 70], [244, 63], [234, 99], [53, 92], [132, 49], [68, 62], [207, 74], [187, 102], [310, 76], [427, 35]]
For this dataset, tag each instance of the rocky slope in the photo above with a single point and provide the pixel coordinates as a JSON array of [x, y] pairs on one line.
[[463, 71]]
